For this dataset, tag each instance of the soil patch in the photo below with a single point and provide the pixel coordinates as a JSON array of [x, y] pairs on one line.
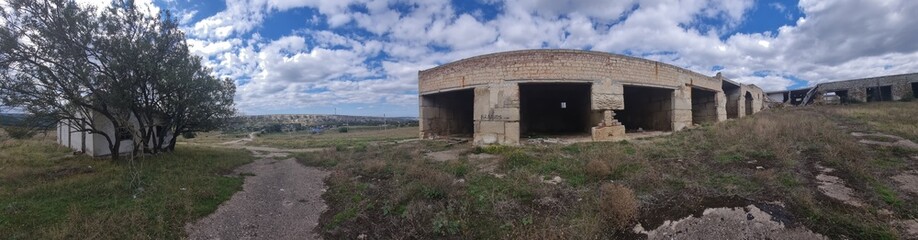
[[448, 155]]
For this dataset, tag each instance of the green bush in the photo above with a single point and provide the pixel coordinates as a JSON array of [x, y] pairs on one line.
[[342, 129], [19, 132]]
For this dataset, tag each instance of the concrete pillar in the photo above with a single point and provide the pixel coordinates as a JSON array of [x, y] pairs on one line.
[[681, 108], [721, 101], [497, 114]]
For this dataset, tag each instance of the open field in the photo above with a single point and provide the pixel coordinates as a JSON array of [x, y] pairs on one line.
[[432, 189], [385, 188], [355, 137], [47, 193]]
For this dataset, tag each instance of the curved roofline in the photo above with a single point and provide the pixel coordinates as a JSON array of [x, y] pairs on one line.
[[560, 50]]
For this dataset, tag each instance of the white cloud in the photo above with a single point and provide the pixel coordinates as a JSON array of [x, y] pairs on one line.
[[833, 40]]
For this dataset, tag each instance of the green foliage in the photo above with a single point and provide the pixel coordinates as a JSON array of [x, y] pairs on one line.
[[19, 132], [189, 135], [342, 129]]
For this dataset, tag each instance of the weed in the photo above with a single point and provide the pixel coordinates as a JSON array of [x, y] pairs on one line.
[[444, 226], [516, 159], [597, 170], [727, 158], [617, 205]]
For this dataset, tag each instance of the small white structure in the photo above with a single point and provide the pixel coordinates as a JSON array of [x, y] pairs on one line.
[[69, 135]]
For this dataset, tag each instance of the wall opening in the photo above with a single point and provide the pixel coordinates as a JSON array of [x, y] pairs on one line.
[[647, 108], [732, 92], [748, 104], [879, 94], [835, 97], [704, 106], [554, 108], [915, 89], [448, 113]]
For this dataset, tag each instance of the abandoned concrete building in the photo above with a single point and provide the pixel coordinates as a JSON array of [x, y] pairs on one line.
[[874, 89], [497, 98]]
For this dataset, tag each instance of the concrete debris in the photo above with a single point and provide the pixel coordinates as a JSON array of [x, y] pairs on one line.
[[835, 188], [728, 223], [554, 180], [907, 181], [894, 141]]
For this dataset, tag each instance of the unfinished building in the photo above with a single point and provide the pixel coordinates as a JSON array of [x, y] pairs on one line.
[[497, 98], [874, 89]]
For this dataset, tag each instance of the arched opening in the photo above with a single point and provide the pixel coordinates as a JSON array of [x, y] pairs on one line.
[[748, 103]]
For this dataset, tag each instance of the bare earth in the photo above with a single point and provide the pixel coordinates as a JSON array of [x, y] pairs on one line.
[[283, 200]]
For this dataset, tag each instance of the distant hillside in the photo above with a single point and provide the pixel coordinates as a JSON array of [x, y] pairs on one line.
[[12, 119], [295, 122]]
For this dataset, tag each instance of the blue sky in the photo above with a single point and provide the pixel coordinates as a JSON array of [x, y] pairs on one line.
[[361, 57]]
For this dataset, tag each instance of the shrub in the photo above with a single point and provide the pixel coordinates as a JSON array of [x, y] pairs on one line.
[[597, 169], [617, 204], [342, 129], [188, 135], [19, 132]]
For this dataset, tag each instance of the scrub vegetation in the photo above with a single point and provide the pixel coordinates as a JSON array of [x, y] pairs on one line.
[[354, 136], [603, 189], [48, 193]]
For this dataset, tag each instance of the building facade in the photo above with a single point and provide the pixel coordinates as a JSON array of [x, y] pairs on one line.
[[497, 98]]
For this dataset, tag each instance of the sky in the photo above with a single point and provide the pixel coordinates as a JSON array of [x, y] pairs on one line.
[[361, 57]]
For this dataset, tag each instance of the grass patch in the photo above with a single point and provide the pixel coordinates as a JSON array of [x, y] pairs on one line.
[[47, 195], [762, 159]]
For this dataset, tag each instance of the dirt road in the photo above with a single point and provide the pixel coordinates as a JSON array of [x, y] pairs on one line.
[[280, 199]]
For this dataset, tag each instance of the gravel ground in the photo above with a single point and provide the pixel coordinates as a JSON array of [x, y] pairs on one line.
[[283, 200]]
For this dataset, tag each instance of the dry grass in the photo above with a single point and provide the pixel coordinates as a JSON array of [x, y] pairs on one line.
[[897, 118], [355, 137], [597, 169], [618, 205], [392, 191]]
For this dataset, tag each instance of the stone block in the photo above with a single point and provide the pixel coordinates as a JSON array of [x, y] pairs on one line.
[[485, 138], [608, 133], [512, 133], [496, 127], [482, 103], [502, 114]]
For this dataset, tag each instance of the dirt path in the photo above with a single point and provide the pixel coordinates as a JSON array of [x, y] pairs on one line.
[[280, 199]]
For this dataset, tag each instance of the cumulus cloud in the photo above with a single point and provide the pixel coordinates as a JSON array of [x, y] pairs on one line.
[[371, 50]]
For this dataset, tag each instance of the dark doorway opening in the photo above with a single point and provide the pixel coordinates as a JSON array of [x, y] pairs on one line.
[[554, 108], [449, 113], [647, 108], [748, 104], [879, 94], [732, 92], [915, 89], [836, 97], [704, 106]]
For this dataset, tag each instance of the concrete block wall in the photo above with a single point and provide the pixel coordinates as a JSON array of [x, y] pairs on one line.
[[857, 88], [704, 108], [495, 78]]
